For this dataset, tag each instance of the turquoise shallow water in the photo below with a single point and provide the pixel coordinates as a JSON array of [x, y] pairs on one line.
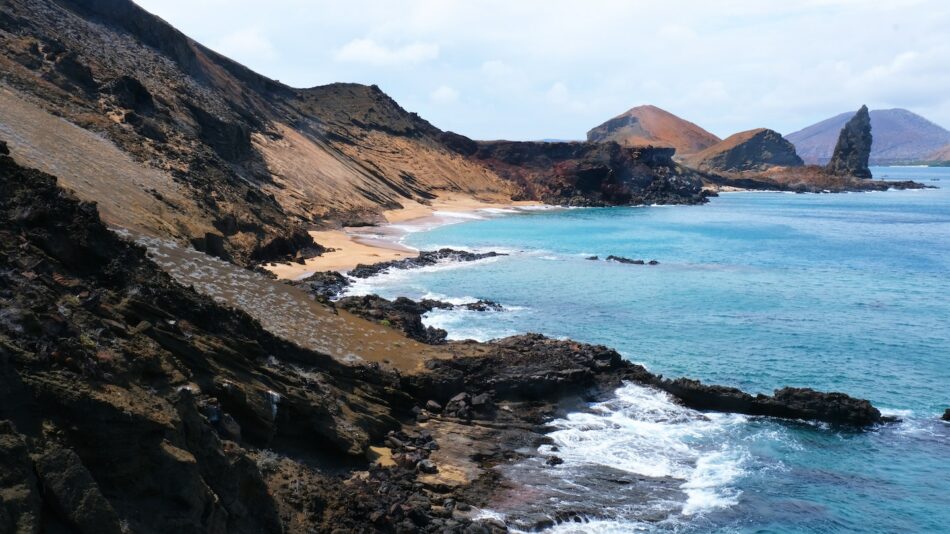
[[841, 292]]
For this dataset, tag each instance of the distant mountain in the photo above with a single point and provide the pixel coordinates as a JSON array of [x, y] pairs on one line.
[[752, 150], [899, 136], [650, 125]]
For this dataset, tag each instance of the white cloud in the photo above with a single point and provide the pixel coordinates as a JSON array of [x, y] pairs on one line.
[[444, 94], [249, 45], [558, 93], [373, 53], [544, 68]]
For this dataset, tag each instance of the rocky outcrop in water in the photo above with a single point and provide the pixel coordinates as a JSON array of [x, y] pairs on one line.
[[402, 314], [786, 403], [901, 137], [946, 415], [424, 259], [325, 285], [853, 149], [807, 179], [533, 367], [621, 259]]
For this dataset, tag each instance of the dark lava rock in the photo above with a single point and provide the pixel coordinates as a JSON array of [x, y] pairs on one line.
[[592, 174], [787, 403], [402, 314], [129, 93], [121, 384], [533, 367], [946, 415], [592, 258], [483, 305], [427, 466], [424, 259], [621, 259], [752, 150], [74, 494], [4, 150], [653, 262], [20, 506], [325, 285], [853, 149]]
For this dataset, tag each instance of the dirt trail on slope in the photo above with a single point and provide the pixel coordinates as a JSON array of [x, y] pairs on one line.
[[290, 313]]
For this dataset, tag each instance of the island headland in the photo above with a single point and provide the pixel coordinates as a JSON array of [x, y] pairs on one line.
[[153, 379]]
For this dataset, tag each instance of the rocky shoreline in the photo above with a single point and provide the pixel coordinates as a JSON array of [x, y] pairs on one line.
[[132, 403]]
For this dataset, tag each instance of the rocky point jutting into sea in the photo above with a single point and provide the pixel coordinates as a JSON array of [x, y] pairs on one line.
[[154, 379]]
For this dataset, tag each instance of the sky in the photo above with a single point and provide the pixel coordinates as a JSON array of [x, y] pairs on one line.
[[553, 69]]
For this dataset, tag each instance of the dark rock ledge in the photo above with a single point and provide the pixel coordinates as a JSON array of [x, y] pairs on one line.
[[532, 366], [424, 259], [328, 285]]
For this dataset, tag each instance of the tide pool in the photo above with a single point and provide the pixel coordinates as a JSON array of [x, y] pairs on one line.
[[846, 292]]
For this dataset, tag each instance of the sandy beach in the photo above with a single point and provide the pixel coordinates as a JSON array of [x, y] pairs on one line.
[[352, 246]]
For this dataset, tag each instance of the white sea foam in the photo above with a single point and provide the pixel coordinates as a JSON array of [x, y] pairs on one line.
[[461, 323], [600, 527], [895, 412], [643, 431], [544, 207], [400, 277], [459, 215], [457, 301], [499, 211]]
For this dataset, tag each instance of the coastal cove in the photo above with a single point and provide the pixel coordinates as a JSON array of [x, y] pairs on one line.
[[732, 301]]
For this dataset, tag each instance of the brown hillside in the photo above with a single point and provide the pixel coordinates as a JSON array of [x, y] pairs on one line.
[[173, 139], [650, 125], [942, 155]]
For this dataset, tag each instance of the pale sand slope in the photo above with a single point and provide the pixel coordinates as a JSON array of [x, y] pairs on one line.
[[352, 245]]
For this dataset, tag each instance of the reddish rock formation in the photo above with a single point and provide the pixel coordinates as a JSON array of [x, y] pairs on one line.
[[652, 126]]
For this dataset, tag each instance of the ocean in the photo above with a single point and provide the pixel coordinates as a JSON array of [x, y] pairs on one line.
[[758, 290]]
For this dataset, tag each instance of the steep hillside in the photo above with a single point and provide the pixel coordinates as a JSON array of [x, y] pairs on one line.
[[900, 136], [757, 149], [198, 147], [650, 125]]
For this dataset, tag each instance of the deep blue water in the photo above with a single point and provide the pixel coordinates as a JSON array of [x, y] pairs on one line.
[[846, 292]]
